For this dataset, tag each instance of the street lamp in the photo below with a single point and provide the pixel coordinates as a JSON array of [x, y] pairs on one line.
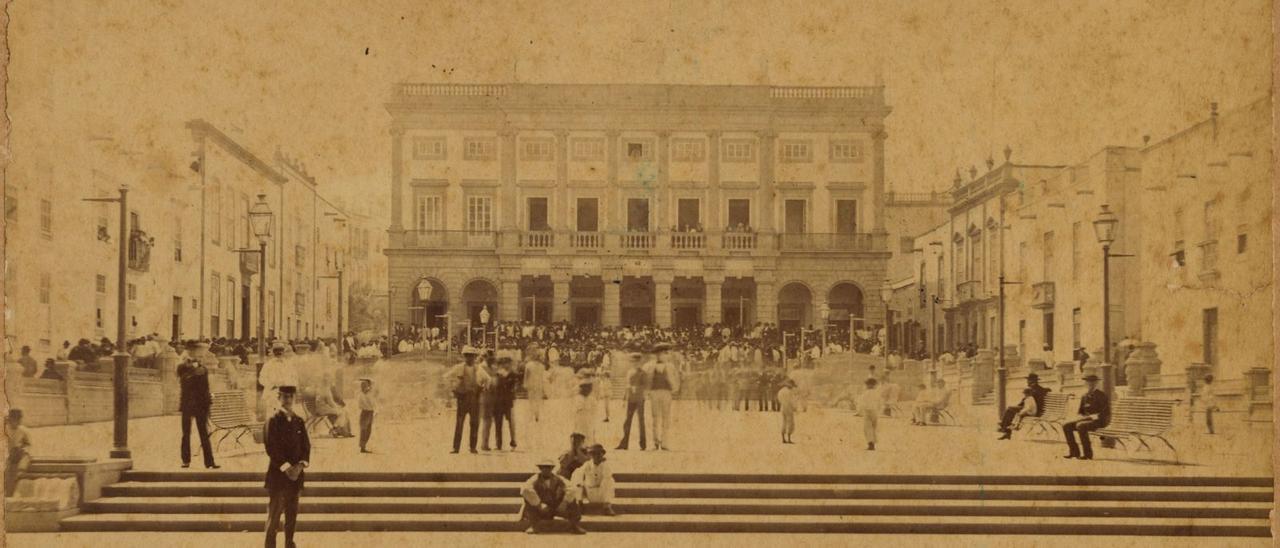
[[261, 221], [886, 295], [120, 369], [484, 327], [825, 312], [1104, 227]]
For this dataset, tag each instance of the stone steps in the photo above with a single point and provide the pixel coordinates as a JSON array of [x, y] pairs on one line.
[[707, 503]]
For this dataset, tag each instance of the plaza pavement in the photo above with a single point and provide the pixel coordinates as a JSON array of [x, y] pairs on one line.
[[703, 440]]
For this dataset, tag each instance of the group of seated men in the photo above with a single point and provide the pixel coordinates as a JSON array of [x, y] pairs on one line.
[[582, 480]]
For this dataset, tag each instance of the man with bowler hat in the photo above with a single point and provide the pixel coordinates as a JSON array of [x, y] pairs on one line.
[[1037, 394], [1095, 413], [466, 380], [289, 451], [637, 384], [194, 401]]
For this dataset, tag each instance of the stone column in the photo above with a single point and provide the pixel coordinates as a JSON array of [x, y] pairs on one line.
[[509, 306], [397, 175], [613, 221], [662, 300], [662, 211], [983, 373], [560, 297], [611, 307], [877, 178], [712, 309], [768, 139], [167, 363], [766, 305], [714, 223], [508, 220], [560, 208]]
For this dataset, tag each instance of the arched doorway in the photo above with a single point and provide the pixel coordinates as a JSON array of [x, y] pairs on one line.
[[795, 303], [845, 300], [586, 296], [476, 296], [428, 302]]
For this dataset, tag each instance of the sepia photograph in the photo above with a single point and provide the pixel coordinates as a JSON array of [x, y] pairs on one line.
[[577, 272]]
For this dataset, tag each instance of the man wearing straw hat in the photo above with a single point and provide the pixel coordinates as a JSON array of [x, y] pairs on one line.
[[547, 495], [466, 380], [594, 481]]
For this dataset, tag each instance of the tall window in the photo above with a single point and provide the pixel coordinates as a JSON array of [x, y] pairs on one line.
[[46, 284], [846, 151], [479, 213], [687, 213], [243, 219], [1048, 256], [638, 214], [1211, 221], [1075, 328], [739, 213], [46, 217], [1048, 331], [794, 213], [976, 265], [231, 306], [1075, 250], [271, 310], [588, 215], [846, 216], [427, 212], [101, 283], [1211, 336], [536, 210], [215, 303], [177, 240]]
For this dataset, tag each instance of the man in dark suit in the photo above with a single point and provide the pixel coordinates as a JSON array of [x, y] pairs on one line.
[[194, 402], [466, 379], [1037, 394], [1095, 413], [637, 384], [289, 450]]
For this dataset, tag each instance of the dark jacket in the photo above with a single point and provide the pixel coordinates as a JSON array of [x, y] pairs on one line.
[[194, 381], [1096, 403], [286, 441], [504, 390], [637, 384], [84, 354]]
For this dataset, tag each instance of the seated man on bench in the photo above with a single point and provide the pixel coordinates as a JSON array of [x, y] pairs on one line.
[[929, 402], [1095, 413], [1037, 394]]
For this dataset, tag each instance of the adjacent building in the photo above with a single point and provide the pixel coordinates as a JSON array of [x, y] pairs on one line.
[[637, 204]]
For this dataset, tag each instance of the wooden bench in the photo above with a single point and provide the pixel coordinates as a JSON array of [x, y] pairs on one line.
[[1055, 411], [1140, 420], [230, 415], [314, 418]]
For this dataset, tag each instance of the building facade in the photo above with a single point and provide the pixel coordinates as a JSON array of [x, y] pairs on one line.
[[192, 263], [636, 204]]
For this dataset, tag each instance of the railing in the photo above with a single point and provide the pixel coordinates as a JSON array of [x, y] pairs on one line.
[[1042, 295], [738, 241], [454, 90], [638, 240], [799, 92], [832, 242], [540, 239], [140, 251], [450, 239], [688, 240], [586, 240], [892, 197]]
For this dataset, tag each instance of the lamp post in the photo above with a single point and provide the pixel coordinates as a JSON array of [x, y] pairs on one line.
[[448, 341], [484, 326], [825, 312], [1002, 373], [261, 220], [886, 295], [1104, 227], [337, 277], [933, 319], [120, 358]]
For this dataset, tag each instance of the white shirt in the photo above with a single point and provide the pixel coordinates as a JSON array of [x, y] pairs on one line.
[[870, 402], [278, 372]]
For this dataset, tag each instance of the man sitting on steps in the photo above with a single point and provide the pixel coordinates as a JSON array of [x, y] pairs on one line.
[[547, 495]]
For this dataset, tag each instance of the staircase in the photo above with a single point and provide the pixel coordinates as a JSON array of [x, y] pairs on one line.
[[703, 503]]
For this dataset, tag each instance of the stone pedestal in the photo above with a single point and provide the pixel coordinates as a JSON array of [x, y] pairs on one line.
[[983, 373], [202, 354], [167, 364], [1142, 369], [1066, 373]]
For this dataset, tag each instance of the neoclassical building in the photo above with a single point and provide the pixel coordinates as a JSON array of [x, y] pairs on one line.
[[637, 204]]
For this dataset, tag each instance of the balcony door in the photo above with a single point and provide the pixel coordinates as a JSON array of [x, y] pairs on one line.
[[794, 211], [588, 215], [846, 216], [739, 213], [537, 213], [687, 214], [638, 214]]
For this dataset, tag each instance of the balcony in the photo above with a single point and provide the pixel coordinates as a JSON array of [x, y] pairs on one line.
[[969, 291], [1042, 295], [738, 241], [538, 239], [586, 240], [450, 239], [688, 240], [140, 244], [831, 242], [638, 240]]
